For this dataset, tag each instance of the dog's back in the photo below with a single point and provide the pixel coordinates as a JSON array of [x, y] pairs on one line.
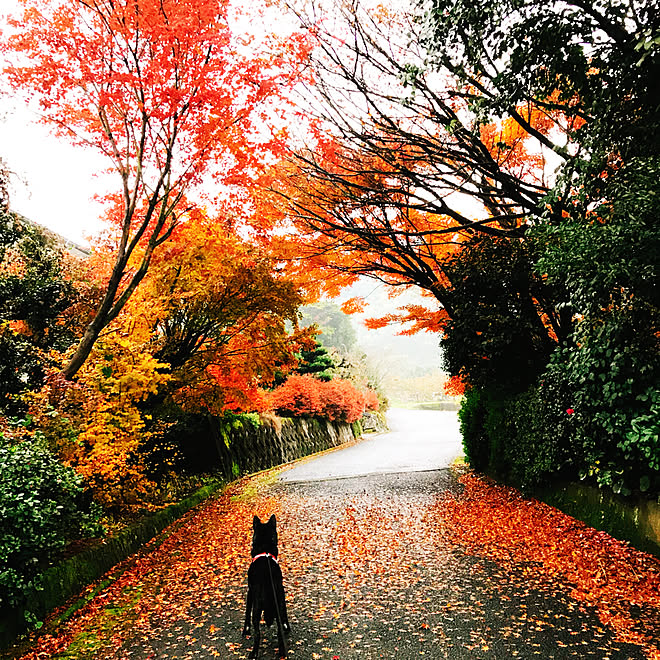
[[265, 588], [262, 574]]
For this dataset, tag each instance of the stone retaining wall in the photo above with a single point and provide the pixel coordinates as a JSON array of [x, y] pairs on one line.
[[636, 520], [374, 422], [243, 448]]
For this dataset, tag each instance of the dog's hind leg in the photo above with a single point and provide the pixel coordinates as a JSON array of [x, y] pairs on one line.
[[248, 611], [256, 618], [281, 646]]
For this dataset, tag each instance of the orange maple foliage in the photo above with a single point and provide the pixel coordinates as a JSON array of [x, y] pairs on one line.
[[168, 91], [216, 309], [359, 211], [454, 386], [417, 318]]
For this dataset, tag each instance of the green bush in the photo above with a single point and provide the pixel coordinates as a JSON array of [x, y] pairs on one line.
[[606, 257], [43, 507], [540, 431], [475, 442], [524, 438]]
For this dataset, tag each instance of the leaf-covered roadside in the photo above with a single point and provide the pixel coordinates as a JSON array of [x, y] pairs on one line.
[[203, 560], [497, 522], [386, 566]]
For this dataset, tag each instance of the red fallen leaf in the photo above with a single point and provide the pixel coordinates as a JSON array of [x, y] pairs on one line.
[[497, 522]]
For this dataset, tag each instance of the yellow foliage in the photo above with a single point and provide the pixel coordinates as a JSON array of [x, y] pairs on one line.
[[94, 423]]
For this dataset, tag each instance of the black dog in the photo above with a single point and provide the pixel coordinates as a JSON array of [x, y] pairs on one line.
[[265, 589]]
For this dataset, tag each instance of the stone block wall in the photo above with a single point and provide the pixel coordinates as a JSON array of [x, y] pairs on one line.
[[243, 448], [633, 519]]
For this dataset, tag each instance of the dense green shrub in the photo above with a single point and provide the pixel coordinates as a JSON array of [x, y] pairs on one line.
[[607, 258], [43, 507], [525, 438], [472, 415], [496, 336], [485, 428], [616, 432], [34, 293]]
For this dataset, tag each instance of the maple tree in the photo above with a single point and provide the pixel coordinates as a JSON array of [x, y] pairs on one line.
[[399, 150], [417, 145], [213, 322], [221, 314], [167, 91], [461, 129]]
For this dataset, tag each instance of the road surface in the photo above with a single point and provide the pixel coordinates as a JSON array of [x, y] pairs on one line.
[[419, 440], [368, 570]]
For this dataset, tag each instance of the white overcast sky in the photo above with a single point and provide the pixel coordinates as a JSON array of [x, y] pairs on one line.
[[53, 183]]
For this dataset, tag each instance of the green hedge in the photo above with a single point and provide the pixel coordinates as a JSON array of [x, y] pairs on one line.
[[43, 507], [524, 439], [530, 441], [68, 578]]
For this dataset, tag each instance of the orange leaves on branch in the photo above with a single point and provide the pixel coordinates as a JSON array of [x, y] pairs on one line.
[[415, 318], [96, 426], [454, 386], [173, 70], [169, 93], [216, 309], [355, 305]]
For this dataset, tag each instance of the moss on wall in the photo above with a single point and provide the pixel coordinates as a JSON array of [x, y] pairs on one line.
[[636, 520]]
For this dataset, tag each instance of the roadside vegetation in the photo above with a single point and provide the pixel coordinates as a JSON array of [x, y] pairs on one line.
[[502, 157]]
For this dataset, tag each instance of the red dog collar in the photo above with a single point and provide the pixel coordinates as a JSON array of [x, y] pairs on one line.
[[265, 554]]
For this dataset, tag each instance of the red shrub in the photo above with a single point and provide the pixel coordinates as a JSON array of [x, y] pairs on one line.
[[340, 401], [337, 400], [298, 396]]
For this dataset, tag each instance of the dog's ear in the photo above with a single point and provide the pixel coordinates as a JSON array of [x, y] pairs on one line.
[[255, 522], [272, 521]]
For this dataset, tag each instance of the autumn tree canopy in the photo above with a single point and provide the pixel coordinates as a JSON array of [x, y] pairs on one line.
[[488, 152], [166, 91], [420, 144], [217, 311]]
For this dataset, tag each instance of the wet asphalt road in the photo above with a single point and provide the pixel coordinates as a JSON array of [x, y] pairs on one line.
[[419, 440], [412, 595], [423, 599], [367, 570]]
